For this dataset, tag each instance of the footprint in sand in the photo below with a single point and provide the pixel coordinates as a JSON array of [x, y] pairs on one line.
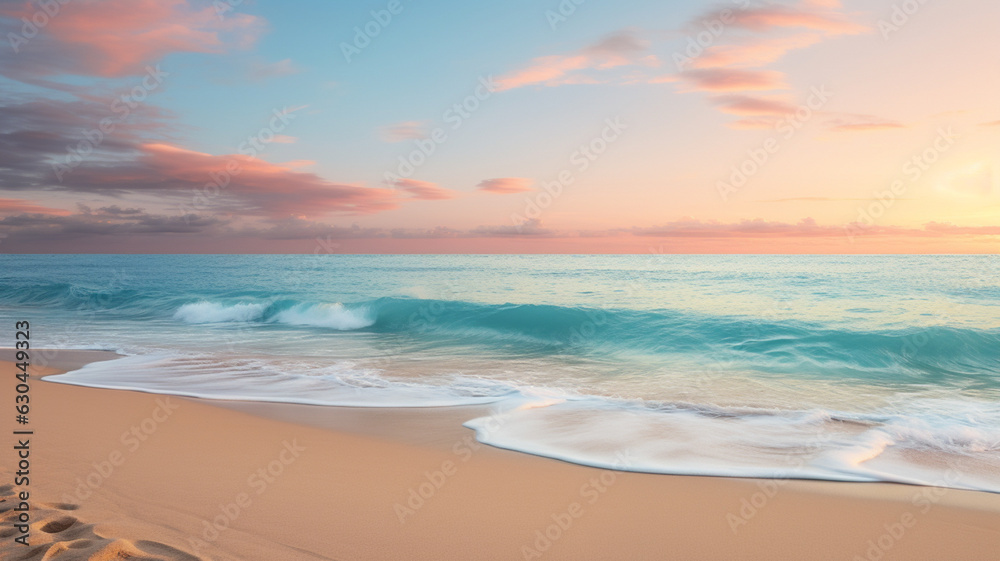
[[59, 525], [57, 536]]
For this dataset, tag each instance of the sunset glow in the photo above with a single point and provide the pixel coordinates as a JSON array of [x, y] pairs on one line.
[[799, 126]]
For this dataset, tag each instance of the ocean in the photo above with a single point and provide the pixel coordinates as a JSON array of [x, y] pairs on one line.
[[843, 368]]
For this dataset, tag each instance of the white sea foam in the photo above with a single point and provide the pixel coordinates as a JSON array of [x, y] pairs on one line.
[[775, 444], [336, 383], [212, 312], [334, 316], [935, 442]]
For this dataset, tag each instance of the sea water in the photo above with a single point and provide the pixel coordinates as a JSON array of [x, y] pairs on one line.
[[849, 368]]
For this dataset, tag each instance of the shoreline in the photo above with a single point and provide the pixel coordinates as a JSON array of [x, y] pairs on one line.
[[363, 483]]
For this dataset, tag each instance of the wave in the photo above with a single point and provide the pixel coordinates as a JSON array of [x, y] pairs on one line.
[[957, 451], [334, 316], [932, 354], [71, 296], [946, 442], [905, 354], [211, 312]]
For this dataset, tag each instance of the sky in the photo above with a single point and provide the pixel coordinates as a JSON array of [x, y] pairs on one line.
[[552, 126]]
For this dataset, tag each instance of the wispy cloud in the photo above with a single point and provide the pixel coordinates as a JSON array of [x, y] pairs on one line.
[[731, 80], [21, 206], [424, 190], [625, 47], [739, 65], [505, 185], [745, 105], [863, 123], [753, 52], [822, 16]]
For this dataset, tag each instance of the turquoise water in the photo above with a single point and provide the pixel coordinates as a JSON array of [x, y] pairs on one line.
[[856, 368]]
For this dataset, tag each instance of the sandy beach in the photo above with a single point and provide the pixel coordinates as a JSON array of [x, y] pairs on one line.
[[120, 474]]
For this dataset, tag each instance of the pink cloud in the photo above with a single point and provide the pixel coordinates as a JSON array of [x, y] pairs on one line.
[[618, 49], [424, 190], [805, 228], [732, 80], [114, 38], [530, 228], [19, 206], [746, 228], [505, 185], [130, 164], [753, 53], [819, 16], [946, 228], [738, 66], [543, 69], [251, 185], [744, 105]]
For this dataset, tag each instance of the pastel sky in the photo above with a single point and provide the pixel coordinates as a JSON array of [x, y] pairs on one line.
[[568, 126]]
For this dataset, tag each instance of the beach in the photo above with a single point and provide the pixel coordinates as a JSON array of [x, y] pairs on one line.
[[683, 281], [143, 476]]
